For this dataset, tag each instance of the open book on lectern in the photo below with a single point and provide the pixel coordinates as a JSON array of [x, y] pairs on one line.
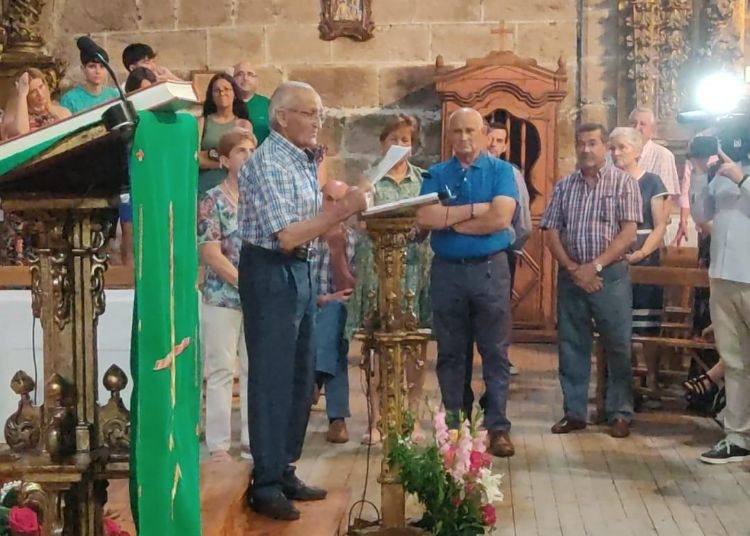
[[402, 206], [162, 96]]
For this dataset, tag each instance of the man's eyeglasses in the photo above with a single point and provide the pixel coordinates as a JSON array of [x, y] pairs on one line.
[[319, 115]]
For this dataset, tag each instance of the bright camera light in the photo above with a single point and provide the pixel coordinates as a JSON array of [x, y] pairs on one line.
[[720, 93]]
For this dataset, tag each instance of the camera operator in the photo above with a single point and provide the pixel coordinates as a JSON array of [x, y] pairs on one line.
[[721, 193]]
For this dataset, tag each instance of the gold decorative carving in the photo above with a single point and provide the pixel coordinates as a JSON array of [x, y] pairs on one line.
[[675, 50], [722, 42], [98, 267], [23, 428], [59, 432], [61, 287], [36, 284], [114, 418], [21, 24]]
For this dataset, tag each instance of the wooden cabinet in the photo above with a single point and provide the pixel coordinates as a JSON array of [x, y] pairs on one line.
[[525, 97]]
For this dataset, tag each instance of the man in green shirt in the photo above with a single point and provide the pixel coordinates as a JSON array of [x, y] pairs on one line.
[[93, 91], [257, 105]]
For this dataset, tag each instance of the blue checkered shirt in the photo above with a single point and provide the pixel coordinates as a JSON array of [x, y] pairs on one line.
[[278, 187], [323, 262]]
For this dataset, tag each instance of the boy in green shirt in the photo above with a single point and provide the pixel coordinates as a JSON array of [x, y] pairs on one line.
[[93, 91], [257, 105]]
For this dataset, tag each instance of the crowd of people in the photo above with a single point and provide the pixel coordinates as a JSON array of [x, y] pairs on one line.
[[289, 269]]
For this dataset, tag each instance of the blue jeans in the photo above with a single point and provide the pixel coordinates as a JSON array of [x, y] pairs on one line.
[[610, 312], [331, 363], [473, 300], [278, 306]]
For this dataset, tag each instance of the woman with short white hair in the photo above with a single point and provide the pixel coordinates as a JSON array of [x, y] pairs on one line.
[[625, 144]]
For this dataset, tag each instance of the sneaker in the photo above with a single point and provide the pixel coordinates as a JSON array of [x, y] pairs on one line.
[[513, 370], [725, 452]]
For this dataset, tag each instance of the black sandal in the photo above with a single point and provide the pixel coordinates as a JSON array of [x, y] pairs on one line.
[[698, 387]]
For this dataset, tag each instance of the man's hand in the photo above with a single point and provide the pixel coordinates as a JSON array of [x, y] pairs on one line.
[[682, 232], [352, 203], [730, 169], [22, 85], [340, 296], [585, 276]]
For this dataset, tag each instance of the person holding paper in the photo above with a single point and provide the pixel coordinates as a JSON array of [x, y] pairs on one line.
[[279, 221], [404, 180], [470, 284]]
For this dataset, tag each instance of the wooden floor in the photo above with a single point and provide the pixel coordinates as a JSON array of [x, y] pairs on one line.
[[585, 483]]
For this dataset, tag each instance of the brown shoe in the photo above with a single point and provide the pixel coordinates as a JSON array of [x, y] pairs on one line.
[[500, 444], [620, 428], [566, 425], [337, 432]]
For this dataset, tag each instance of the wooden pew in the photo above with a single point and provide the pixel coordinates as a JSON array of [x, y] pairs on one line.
[[673, 346]]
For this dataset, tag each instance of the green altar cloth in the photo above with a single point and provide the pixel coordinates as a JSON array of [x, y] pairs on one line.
[[165, 470]]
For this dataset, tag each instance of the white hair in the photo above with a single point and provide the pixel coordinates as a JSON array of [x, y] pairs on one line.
[[643, 110], [629, 135], [282, 97]]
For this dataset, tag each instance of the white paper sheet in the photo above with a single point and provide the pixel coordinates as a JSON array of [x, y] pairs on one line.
[[395, 154]]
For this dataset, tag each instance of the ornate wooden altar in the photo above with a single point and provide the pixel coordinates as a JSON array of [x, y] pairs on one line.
[[525, 97], [66, 449]]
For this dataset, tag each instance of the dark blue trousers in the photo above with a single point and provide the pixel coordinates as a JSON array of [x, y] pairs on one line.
[[331, 358], [473, 300], [278, 304]]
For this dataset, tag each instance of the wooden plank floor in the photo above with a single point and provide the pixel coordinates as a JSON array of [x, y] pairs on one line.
[[585, 483]]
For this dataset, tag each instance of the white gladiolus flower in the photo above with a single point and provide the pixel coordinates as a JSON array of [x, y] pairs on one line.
[[491, 485]]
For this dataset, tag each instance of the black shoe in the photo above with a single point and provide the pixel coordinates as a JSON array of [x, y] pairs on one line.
[[296, 490], [725, 452], [276, 506]]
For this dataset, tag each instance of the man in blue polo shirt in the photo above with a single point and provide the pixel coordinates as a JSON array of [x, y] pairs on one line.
[[470, 282]]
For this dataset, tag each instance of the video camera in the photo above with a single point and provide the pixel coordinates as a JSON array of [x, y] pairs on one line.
[[725, 109]]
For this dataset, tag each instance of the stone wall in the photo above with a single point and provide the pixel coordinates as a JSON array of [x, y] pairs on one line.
[[360, 82]]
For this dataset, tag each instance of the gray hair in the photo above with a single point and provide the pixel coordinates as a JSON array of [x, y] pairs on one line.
[[629, 135], [643, 110], [282, 97]]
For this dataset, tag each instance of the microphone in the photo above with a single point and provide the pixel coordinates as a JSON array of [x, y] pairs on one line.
[[121, 117]]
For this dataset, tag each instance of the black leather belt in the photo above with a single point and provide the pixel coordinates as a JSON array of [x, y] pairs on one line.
[[303, 253], [472, 260]]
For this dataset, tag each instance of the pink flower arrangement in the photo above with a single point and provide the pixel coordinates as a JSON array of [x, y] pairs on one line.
[[465, 459], [112, 528]]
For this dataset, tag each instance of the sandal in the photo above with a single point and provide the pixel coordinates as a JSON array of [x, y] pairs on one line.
[[699, 387]]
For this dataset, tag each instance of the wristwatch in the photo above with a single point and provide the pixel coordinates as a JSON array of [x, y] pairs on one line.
[[598, 267], [213, 154]]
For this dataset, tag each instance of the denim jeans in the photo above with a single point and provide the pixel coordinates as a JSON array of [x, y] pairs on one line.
[[610, 312], [473, 300], [278, 305], [331, 363]]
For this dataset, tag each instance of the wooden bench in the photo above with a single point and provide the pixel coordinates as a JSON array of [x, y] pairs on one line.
[[666, 357]]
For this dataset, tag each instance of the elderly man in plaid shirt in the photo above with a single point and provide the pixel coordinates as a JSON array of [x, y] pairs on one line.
[[591, 223], [279, 217]]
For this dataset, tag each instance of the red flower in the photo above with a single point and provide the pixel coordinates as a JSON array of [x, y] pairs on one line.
[[111, 528], [489, 517], [23, 521], [478, 460]]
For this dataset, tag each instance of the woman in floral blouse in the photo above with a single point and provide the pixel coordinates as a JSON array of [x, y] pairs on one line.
[[221, 316], [404, 180]]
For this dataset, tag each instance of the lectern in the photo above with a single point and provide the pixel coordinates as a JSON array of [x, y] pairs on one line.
[[65, 450]]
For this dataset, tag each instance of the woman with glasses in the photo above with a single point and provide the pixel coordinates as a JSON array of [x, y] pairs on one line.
[[223, 110], [404, 180]]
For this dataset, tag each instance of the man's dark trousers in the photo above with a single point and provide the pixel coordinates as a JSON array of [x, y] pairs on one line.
[[468, 391], [278, 304], [610, 312], [473, 298]]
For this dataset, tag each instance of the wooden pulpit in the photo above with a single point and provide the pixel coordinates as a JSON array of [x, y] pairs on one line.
[[65, 450], [524, 97]]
